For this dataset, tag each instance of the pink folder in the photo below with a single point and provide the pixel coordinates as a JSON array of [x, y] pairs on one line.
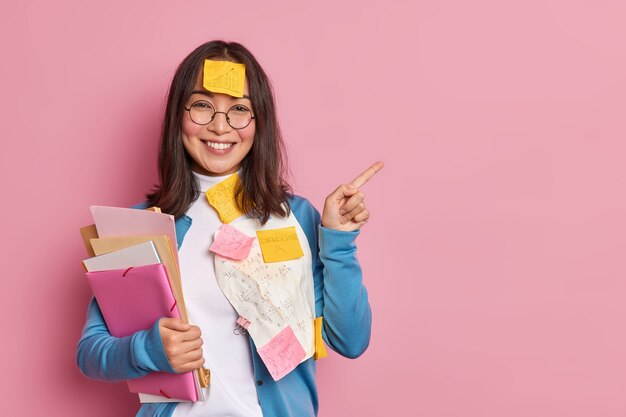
[[131, 300]]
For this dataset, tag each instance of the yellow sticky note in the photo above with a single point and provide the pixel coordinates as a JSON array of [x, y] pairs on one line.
[[224, 77], [279, 244], [204, 375], [320, 348], [222, 197]]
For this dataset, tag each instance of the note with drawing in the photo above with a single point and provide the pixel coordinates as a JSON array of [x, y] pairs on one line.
[[282, 354], [224, 77], [279, 244], [231, 243]]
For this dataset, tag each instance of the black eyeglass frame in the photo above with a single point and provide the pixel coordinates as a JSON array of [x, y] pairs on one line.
[[252, 116]]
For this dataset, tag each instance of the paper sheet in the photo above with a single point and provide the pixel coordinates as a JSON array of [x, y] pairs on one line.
[[141, 254], [270, 296]]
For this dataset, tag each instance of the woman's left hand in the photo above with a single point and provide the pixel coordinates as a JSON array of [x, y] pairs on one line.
[[345, 208]]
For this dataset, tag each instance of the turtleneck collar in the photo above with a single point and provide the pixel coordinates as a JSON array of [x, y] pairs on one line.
[[207, 181]]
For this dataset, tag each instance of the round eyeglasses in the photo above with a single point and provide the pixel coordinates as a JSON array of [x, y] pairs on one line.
[[202, 113]]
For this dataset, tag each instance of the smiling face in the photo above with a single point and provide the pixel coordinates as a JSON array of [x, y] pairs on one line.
[[216, 148]]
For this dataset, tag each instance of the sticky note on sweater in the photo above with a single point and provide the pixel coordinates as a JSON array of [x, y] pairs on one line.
[[279, 245], [222, 198], [282, 354], [231, 243], [320, 348]]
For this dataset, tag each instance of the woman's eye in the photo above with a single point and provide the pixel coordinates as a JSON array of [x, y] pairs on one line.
[[202, 105], [240, 109]]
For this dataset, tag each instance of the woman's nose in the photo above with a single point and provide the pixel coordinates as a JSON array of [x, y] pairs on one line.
[[219, 124]]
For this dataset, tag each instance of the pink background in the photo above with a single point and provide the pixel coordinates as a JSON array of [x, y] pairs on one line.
[[495, 254]]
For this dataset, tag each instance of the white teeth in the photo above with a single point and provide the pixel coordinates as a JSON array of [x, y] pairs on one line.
[[219, 146]]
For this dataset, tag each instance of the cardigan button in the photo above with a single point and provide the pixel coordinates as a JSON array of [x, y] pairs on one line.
[[259, 382]]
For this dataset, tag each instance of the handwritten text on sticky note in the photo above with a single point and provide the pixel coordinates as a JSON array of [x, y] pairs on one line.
[[282, 354], [222, 197], [231, 243], [279, 244], [224, 77]]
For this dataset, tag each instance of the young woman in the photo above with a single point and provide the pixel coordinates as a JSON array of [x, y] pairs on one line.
[[208, 137]]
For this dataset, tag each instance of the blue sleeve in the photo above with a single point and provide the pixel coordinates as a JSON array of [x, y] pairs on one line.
[[340, 295], [102, 356]]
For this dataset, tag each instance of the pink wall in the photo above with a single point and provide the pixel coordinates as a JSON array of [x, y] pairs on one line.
[[494, 253]]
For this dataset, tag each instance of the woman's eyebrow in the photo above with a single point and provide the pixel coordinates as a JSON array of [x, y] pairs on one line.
[[209, 94]]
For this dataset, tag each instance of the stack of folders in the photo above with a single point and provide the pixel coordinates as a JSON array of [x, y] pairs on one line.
[[134, 275]]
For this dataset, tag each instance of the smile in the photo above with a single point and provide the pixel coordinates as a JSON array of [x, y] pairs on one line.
[[219, 145]]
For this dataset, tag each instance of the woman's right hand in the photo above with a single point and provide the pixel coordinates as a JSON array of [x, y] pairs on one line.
[[182, 344]]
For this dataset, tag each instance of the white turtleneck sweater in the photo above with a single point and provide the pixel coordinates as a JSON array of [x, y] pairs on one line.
[[232, 391]]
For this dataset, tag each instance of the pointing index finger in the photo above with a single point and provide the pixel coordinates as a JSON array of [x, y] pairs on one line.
[[367, 175]]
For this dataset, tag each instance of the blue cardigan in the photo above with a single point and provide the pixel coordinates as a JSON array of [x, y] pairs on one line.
[[339, 296]]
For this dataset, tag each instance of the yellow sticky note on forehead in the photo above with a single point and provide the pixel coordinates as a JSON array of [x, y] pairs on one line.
[[224, 77], [279, 244], [222, 198]]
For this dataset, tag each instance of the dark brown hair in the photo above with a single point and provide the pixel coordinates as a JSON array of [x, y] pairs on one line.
[[263, 188]]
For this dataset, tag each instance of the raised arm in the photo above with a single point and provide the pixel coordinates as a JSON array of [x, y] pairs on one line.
[[340, 295]]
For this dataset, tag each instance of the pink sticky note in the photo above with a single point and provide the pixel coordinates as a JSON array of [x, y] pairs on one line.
[[231, 243], [282, 354]]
